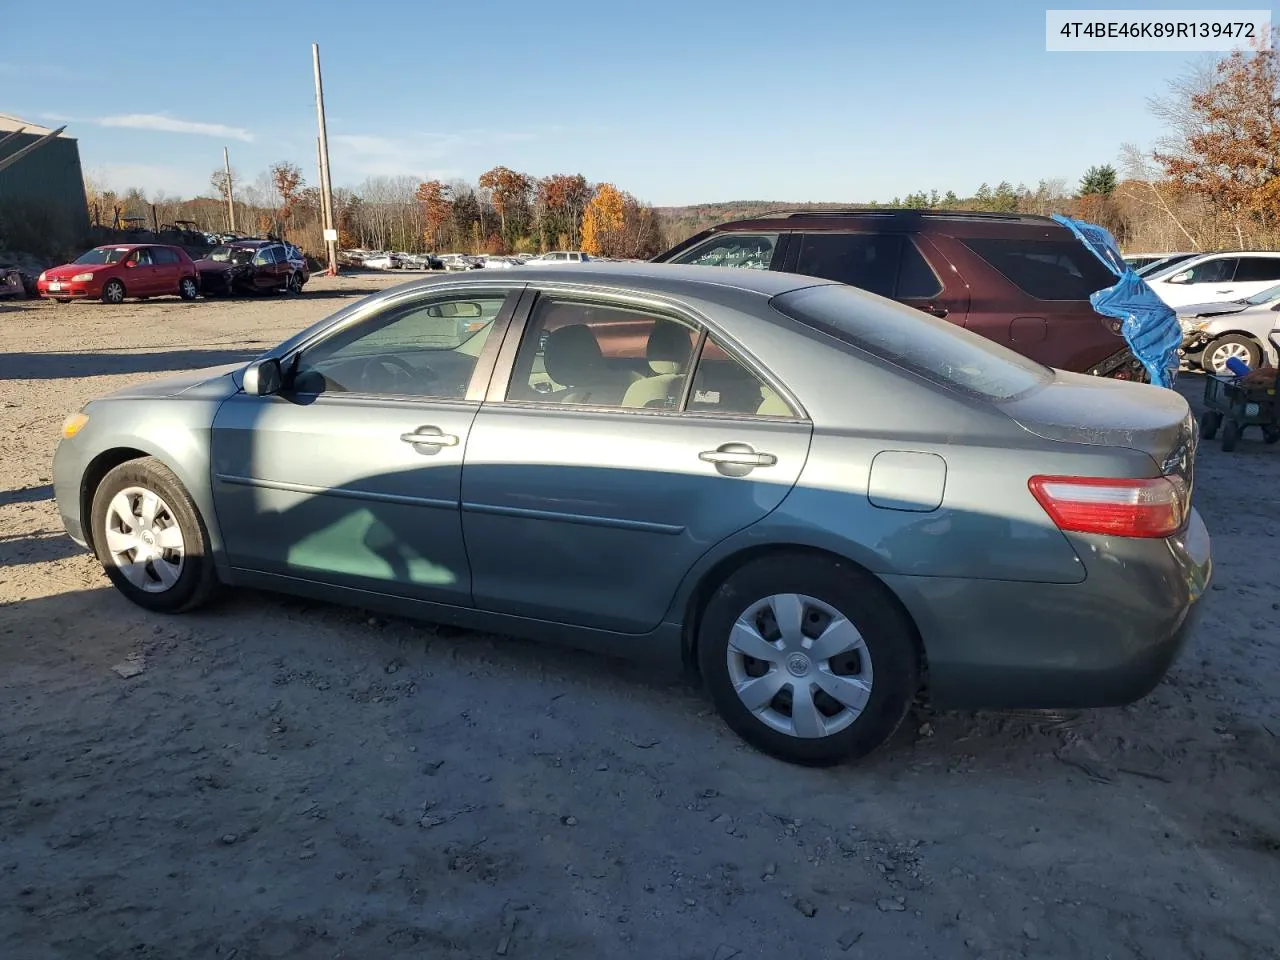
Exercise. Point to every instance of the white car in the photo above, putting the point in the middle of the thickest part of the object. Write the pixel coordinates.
(383, 261)
(1212, 333)
(1217, 276)
(559, 258)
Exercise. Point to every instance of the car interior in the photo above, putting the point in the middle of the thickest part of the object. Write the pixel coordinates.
(579, 353)
(417, 350)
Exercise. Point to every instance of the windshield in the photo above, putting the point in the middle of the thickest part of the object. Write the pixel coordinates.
(1266, 296)
(226, 254)
(912, 339)
(104, 255)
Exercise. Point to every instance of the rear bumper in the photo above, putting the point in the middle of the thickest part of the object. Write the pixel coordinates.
(1106, 641)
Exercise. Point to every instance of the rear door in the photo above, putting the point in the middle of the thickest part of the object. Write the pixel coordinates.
(889, 264)
(594, 478)
(168, 269)
(1253, 275)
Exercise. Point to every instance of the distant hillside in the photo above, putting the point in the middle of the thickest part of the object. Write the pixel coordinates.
(682, 222)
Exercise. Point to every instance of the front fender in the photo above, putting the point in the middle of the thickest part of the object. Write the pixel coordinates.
(175, 432)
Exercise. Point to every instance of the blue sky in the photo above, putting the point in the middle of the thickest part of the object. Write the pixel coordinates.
(677, 102)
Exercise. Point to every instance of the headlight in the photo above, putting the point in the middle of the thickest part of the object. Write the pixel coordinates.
(41, 277)
(74, 424)
(82, 278)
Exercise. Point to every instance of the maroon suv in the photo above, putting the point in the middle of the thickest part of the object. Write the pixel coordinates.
(1020, 280)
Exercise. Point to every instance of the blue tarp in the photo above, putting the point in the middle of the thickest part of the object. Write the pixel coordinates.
(1147, 323)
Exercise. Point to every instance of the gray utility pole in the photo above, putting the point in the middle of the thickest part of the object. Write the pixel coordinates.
(231, 203)
(326, 185)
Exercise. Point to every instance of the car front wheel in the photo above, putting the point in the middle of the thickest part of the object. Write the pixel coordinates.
(808, 658)
(150, 539)
(1230, 345)
(113, 292)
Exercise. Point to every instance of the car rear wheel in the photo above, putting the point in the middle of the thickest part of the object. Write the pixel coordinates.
(1210, 421)
(150, 539)
(807, 658)
(188, 289)
(113, 292)
(1230, 345)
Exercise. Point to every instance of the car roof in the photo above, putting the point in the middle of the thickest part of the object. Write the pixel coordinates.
(893, 219)
(659, 278)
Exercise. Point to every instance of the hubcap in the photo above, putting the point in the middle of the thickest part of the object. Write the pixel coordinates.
(144, 539)
(115, 293)
(1225, 352)
(189, 288)
(799, 665)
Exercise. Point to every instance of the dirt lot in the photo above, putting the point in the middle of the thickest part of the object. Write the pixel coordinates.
(285, 779)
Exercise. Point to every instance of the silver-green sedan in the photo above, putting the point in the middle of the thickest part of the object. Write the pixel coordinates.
(818, 499)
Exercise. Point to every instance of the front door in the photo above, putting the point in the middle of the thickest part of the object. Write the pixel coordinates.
(596, 475)
(140, 274)
(350, 475)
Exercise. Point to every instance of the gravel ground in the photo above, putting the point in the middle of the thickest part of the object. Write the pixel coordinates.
(277, 778)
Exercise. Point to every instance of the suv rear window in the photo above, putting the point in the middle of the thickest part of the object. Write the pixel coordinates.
(912, 339)
(1045, 269)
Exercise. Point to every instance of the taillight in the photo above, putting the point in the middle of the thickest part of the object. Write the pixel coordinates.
(1118, 507)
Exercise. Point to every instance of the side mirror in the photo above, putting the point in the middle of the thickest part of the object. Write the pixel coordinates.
(263, 377)
(1180, 277)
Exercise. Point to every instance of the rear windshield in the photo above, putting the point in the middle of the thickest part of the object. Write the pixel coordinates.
(912, 339)
(1045, 269)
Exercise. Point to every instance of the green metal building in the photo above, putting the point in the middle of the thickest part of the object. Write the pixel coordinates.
(44, 190)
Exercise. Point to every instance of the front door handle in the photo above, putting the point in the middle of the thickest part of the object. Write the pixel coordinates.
(430, 437)
(740, 458)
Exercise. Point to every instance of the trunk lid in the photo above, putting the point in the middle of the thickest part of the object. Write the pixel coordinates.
(1075, 408)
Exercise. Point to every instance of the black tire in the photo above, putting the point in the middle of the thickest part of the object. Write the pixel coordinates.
(1271, 434)
(197, 581)
(294, 284)
(861, 599)
(1210, 421)
(113, 292)
(1230, 435)
(188, 289)
(1248, 344)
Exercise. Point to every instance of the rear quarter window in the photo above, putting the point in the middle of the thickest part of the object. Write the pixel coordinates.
(908, 338)
(1045, 269)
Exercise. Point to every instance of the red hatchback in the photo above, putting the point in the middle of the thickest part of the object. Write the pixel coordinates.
(113, 272)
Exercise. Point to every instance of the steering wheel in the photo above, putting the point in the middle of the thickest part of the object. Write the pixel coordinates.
(375, 369)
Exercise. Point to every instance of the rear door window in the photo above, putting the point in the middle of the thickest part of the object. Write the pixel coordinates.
(866, 260)
(1258, 269)
(164, 255)
(1045, 269)
(751, 250)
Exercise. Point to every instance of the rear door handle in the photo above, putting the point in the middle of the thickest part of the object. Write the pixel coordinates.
(738, 455)
(937, 309)
(430, 437)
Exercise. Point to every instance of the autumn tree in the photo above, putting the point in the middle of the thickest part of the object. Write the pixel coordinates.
(603, 219)
(1226, 144)
(509, 191)
(287, 180)
(436, 209)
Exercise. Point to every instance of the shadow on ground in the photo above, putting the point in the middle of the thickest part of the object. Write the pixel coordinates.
(54, 366)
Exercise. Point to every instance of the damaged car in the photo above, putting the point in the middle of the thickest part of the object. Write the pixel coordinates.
(251, 266)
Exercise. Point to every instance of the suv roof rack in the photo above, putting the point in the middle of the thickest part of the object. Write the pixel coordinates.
(902, 212)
